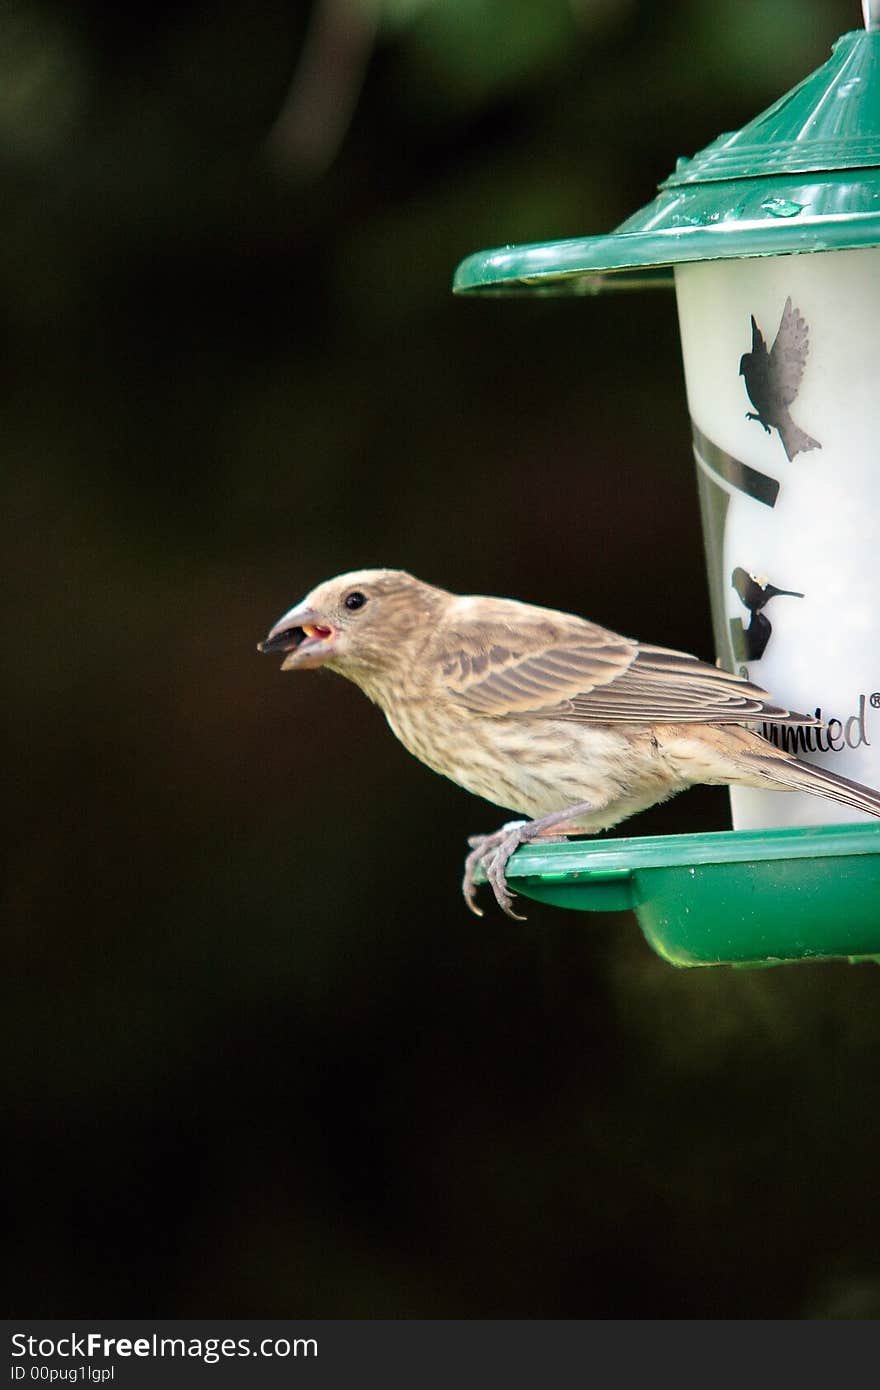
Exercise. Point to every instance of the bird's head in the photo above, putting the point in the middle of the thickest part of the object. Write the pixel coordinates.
(359, 624)
(748, 359)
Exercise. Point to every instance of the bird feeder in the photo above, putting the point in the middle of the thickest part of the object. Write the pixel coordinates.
(771, 237)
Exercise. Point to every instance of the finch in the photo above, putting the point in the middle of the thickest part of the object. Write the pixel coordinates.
(540, 711)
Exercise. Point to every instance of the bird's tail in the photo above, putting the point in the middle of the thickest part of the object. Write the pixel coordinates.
(795, 440)
(788, 773)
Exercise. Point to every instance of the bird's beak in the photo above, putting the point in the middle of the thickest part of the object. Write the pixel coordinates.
(306, 638)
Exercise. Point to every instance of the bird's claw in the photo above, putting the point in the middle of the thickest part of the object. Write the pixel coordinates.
(493, 852)
(750, 415)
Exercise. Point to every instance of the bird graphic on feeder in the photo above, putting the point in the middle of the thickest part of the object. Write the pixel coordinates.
(773, 379)
(756, 591)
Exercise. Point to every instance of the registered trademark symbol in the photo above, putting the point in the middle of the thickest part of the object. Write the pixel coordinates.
(875, 700)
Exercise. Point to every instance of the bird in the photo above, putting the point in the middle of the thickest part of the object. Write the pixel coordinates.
(756, 591)
(540, 711)
(773, 379)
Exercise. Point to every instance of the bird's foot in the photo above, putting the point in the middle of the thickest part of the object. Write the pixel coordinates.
(750, 415)
(492, 853)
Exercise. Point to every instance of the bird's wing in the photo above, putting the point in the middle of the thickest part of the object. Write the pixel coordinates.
(788, 356)
(511, 658)
(759, 347)
(562, 667)
(673, 687)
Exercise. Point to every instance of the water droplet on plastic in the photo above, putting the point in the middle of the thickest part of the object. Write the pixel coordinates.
(781, 207)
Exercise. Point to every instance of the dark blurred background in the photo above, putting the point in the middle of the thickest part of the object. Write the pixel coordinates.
(261, 1061)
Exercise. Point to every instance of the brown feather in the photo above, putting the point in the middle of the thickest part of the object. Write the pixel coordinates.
(498, 657)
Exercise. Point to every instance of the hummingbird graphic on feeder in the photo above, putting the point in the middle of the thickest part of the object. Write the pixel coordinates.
(756, 591)
(773, 379)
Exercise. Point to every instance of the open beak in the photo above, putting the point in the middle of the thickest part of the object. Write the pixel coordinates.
(304, 636)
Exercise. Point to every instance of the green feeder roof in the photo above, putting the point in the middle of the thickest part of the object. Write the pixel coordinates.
(802, 176)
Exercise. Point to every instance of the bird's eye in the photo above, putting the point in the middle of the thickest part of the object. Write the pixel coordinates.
(355, 601)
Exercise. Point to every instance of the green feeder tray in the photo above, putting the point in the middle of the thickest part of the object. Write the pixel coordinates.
(742, 897)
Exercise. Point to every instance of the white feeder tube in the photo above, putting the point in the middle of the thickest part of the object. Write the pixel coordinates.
(808, 523)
